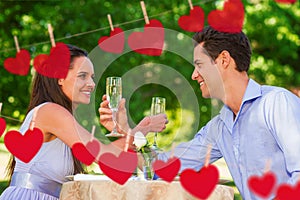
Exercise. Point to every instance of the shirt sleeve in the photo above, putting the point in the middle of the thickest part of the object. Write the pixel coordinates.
(192, 154)
(283, 116)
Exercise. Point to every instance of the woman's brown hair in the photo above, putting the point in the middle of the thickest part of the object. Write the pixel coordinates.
(45, 89)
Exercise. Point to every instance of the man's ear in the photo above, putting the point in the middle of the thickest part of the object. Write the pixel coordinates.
(225, 58)
(60, 81)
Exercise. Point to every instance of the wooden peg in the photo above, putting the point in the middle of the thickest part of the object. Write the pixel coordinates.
(32, 123)
(17, 43)
(93, 132)
(110, 22)
(172, 150)
(268, 165)
(1, 107)
(207, 157)
(50, 30)
(145, 12)
(127, 141)
(191, 4)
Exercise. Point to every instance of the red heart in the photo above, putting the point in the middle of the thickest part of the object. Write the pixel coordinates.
(286, 1)
(193, 22)
(114, 43)
(120, 168)
(262, 186)
(56, 65)
(202, 183)
(19, 65)
(2, 126)
(26, 146)
(150, 42)
(86, 154)
(167, 171)
(287, 192)
(230, 19)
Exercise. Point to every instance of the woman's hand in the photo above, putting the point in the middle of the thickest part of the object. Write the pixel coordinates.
(106, 116)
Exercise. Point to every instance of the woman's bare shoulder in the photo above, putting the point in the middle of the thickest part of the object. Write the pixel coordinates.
(53, 110)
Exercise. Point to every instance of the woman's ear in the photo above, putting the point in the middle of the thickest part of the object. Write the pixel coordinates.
(60, 81)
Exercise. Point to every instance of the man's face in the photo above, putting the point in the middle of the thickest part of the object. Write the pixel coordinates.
(207, 73)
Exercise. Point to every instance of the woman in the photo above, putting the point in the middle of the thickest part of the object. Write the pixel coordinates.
(55, 99)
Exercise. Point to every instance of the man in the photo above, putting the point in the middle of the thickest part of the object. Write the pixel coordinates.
(256, 125)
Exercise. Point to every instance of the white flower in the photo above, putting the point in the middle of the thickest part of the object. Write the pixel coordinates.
(139, 140)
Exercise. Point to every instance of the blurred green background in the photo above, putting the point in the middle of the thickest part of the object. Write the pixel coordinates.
(273, 29)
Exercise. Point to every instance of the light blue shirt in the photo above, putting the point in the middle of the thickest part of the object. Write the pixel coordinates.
(267, 127)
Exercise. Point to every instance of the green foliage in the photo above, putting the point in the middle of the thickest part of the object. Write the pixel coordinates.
(273, 29)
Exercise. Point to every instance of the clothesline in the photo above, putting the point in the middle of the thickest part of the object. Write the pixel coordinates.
(100, 29)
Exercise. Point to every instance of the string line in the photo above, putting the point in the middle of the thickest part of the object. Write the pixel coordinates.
(99, 29)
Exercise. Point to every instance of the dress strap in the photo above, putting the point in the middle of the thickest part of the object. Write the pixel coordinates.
(40, 184)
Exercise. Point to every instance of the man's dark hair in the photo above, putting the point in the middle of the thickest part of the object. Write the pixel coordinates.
(237, 44)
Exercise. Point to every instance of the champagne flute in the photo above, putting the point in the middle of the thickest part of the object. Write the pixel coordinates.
(158, 106)
(114, 95)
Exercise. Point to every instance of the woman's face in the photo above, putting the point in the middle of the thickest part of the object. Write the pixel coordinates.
(79, 83)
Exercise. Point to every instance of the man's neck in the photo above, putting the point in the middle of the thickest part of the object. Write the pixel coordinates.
(234, 92)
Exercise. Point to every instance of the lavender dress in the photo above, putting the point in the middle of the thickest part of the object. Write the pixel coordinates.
(41, 178)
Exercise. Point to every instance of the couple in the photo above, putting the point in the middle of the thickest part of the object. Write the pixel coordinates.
(256, 124)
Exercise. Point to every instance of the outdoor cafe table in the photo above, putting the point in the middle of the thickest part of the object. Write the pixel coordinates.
(135, 189)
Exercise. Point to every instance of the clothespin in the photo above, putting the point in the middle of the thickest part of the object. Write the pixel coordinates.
(50, 30)
(191, 4)
(1, 107)
(172, 150)
(127, 141)
(32, 123)
(110, 22)
(145, 12)
(268, 165)
(207, 157)
(93, 132)
(17, 43)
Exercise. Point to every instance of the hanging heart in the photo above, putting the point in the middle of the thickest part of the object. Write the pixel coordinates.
(2, 126)
(202, 183)
(19, 65)
(120, 168)
(262, 186)
(150, 42)
(287, 192)
(230, 19)
(114, 43)
(286, 1)
(193, 22)
(86, 154)
(167, 170)
(26, 146)
(56, 65)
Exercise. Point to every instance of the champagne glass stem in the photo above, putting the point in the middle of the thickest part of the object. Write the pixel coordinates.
(155, 140)
(114, 117)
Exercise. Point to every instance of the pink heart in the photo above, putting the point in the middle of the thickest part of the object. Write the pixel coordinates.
(56, 65)
(288, 192)
(167, 170)
(230, 19)
(262, 186)
(193, 22)
(150, 42)
(86, 154)
(2, 126)
(202, 183)
(120, 168)
(26, 146)
(114, 43)
(19, 65)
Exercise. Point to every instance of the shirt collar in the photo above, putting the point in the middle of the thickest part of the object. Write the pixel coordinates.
(252, 92)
